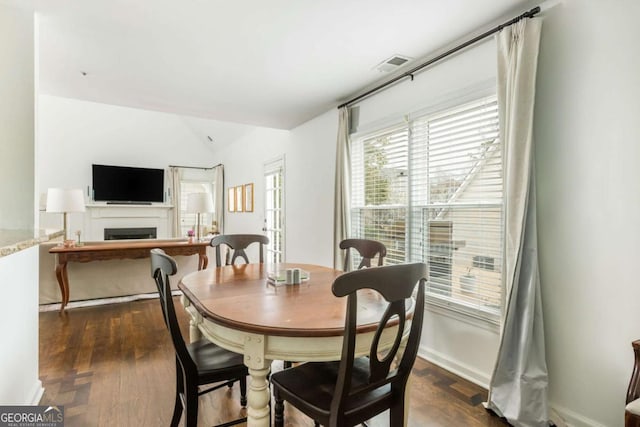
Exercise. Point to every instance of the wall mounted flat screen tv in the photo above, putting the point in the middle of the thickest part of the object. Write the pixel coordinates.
(122, 184)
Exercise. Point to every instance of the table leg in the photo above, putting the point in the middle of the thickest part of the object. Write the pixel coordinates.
(194, 331)
(203, 261)
(63, 283)
(258, 395)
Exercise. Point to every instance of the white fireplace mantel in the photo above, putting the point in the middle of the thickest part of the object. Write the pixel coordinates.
(101, 215)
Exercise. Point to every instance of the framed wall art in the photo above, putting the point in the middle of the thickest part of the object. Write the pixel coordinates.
(239, 198)
(231, 199)
(248, 197)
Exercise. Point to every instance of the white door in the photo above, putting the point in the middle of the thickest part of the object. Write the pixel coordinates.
(274, 210)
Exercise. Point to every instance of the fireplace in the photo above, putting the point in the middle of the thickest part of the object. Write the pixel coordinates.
(101, 217)
(130, 233)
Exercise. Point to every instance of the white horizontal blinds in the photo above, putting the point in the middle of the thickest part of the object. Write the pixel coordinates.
(274, 212)
(188, 220)
(457, 192)
(379, 176)
(432, 191)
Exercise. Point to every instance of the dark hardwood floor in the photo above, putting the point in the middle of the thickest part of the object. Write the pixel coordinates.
(113, 365)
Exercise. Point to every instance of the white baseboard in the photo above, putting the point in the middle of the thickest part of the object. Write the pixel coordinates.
(561, 417)
(460, 369)
(36, 393)
(564, 417)
(104, 301)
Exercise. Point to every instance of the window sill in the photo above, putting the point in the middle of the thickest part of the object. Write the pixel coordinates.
(460, 312)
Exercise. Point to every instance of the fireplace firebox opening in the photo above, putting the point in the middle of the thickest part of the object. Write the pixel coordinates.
(130, 233)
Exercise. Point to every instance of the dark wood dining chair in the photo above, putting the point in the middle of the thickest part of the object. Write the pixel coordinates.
(197, 364)
(238, 242)
(367, 249)
(632, 409)
(353, 390)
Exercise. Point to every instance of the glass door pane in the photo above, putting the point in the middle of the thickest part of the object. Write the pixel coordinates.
(274, 211)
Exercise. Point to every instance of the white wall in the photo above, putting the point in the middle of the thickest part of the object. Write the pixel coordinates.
(472, 69)
(19, 356)
(243, 164)
(19, 384)
(16, 118)
(309, 153)
(74, 134)
(310, 190)
(587, 136)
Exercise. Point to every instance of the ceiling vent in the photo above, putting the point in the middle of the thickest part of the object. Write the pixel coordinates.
(393, 63)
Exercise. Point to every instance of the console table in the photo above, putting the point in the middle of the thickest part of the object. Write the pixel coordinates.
(133, 249)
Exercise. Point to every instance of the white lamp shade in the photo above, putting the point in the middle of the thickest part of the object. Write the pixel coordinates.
(65, 200)
(199, 203)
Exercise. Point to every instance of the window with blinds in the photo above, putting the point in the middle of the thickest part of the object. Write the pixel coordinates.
(431, 190)
(188, 220)
(379, 190)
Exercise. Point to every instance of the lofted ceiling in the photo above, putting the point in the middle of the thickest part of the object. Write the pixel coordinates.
(275, 63)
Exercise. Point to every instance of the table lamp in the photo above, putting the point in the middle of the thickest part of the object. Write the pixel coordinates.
(198, 203)
(63, 201)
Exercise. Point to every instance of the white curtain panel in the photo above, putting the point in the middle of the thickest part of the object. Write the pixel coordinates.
(175, 174)
(218, 196)
(518, 387)
(341, 214)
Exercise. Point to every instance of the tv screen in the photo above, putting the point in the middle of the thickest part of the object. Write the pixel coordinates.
(127, 185)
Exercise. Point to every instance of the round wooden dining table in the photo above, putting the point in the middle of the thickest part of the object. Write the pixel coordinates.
(237, 308)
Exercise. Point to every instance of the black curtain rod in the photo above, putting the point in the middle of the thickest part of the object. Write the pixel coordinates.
(195, 167)
(440, 57)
